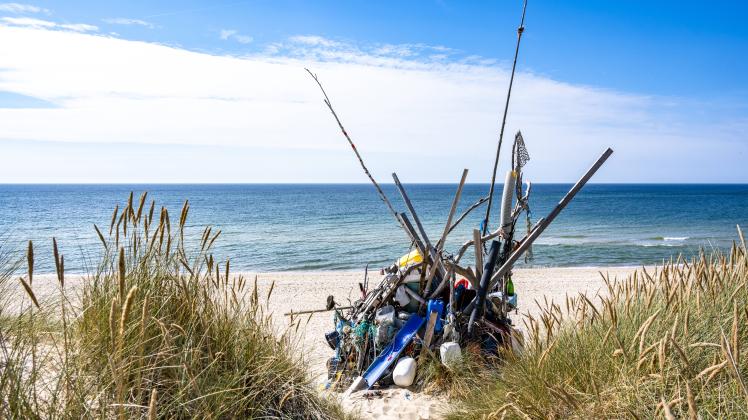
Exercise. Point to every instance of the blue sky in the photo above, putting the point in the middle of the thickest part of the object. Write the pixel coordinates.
(636, 75)
(685, 48)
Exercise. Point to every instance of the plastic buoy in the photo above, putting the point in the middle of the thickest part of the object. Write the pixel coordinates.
(405, 372)
(450, 354)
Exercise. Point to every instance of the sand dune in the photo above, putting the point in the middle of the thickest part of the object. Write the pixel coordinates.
(299, 291)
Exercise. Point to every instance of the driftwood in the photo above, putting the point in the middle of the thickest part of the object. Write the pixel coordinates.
(316, 311)
(466, 212)
(429, 248)
(367, 327)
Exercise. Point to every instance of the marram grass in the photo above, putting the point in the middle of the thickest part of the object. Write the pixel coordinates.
(665, 344)
(157, 331)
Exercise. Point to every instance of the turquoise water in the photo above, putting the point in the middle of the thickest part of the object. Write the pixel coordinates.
(339, 227)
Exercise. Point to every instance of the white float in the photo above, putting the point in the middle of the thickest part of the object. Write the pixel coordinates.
(405, 372)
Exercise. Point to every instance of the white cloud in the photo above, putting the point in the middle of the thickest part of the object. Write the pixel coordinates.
(426, 119)
(32, 22)
(22, 8)
(79, 27)
(127, 21)
(243, 39)
(40, 23)
(314, 40)
(227, 34)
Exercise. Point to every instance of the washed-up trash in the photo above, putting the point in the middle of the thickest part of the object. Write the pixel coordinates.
(401, 296)
(498, 298)
(405, 372)
(450, 354)
(430, 298)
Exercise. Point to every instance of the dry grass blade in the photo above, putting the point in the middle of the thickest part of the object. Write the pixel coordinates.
(126, 310)
(733, 364)
(29, 292)
(30, 261)
(121, 273)
(140, 207)
(641, 333)
(101, 236)
(666, 410)
(114, 219)
(152, 405)
(692, 410)
(58, 263)
(712, 369)
(270, 292)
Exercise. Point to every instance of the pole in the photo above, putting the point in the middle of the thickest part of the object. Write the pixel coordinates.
(520, 30)
(353, 146)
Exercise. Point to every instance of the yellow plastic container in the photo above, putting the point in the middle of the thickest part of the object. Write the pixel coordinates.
(413, 257)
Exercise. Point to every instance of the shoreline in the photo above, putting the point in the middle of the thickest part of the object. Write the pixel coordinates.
(376, 272)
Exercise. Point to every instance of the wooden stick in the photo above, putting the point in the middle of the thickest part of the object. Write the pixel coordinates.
(543, 224)
(429, 247)
(478, 253)
(443, 239)
(413, 234)
(452, 210)
(469, 209)
(412, 211)
(314, 311)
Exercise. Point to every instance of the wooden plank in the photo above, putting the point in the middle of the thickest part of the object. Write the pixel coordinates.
(428, 335)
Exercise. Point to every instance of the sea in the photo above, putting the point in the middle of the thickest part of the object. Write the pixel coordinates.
(323, 227)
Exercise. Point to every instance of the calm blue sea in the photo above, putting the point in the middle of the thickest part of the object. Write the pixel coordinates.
(339, 227)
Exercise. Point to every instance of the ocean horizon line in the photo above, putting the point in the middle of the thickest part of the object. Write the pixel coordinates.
(359, 183)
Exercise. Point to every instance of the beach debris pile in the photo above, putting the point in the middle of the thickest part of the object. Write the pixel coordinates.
(431, 301)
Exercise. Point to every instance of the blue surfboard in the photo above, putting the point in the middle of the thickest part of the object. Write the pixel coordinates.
(393, 350)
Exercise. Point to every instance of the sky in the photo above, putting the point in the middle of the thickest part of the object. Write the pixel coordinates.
(197, 91)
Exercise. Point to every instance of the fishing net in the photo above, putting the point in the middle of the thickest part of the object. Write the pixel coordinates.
(520, 156)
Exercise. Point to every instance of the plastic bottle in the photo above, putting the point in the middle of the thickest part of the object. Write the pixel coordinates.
(509, 286)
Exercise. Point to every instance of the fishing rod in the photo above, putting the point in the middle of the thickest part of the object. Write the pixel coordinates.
(353, 146)
(520, 30)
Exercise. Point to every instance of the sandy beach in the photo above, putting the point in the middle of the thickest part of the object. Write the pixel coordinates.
(306, 291)
(299, 291)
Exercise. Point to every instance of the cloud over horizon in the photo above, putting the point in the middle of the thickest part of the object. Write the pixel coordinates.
(424, 111)
(20, 8)
(129, 22)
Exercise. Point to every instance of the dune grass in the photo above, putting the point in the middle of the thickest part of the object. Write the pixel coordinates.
(160, 329)
(670, 344)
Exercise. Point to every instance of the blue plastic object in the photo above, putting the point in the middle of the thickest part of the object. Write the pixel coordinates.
(393, 350)
(436, 305)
